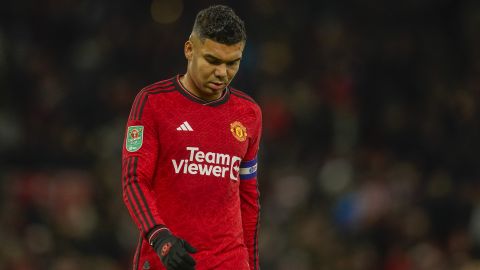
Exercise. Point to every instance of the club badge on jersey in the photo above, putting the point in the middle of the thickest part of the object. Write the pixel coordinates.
(134, 139)
(239, 131)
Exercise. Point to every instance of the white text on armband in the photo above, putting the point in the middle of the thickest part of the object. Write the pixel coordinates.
(248, 169)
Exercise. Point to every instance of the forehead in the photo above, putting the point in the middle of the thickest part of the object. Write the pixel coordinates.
(221, 51)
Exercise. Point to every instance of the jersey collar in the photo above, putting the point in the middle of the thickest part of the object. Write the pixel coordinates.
(222, 99)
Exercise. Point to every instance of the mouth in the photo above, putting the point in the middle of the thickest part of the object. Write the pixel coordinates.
(216, 85)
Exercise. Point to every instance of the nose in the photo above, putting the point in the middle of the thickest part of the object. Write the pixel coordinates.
(221, 71)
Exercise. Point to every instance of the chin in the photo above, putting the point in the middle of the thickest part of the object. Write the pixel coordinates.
(213, 91)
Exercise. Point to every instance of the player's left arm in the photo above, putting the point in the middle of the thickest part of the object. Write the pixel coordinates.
(250, 195)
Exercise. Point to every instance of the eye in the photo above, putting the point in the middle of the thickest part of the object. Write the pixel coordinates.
(213, 61)
(233, 63)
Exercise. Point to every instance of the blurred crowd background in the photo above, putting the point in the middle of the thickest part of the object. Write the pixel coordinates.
(369, 158)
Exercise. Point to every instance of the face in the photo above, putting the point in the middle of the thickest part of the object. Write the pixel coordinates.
(211, 66)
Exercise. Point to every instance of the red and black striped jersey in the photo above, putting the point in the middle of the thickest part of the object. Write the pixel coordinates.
(191, 166)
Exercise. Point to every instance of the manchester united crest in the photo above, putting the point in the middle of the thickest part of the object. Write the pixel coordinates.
(238, 131)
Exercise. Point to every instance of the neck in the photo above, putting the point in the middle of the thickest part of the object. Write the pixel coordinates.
(188, 84)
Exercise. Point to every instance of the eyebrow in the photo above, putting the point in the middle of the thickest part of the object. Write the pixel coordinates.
(217, 59)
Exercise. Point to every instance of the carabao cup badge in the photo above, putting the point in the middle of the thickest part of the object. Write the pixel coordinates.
(134, 138)
(238, 131)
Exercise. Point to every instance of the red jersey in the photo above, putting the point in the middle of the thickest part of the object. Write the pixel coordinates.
(191, 165)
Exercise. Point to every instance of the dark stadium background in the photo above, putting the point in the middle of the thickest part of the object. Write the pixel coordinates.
(370, 151)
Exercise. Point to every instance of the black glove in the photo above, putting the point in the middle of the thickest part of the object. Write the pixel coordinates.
(174, 251)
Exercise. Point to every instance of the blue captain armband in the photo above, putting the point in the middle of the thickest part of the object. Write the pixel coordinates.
(248, 169)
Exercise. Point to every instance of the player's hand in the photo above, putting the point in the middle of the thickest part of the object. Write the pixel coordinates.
(174, 253)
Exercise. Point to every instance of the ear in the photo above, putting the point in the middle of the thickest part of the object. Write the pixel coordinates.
(188, 50)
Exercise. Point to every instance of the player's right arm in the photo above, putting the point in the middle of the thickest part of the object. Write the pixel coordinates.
(139, 158)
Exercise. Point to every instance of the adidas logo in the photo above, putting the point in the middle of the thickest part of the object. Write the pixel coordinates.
(185, 126)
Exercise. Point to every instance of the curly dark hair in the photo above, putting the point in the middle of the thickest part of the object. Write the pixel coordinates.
(221, 24)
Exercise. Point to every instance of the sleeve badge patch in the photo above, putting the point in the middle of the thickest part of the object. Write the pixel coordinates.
(134, 139)
(238, 131)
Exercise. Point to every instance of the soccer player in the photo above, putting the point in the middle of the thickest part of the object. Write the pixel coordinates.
(189, 161)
